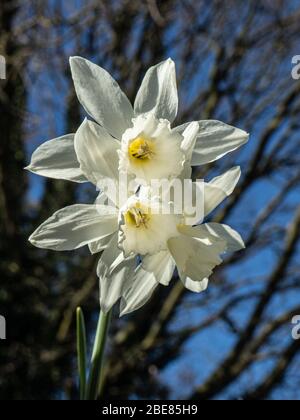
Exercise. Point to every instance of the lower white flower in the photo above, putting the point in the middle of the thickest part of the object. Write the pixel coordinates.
(140, 246)
(145, 227)
(166, 241)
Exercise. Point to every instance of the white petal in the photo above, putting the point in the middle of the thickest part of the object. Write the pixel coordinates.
(205, 197)
(57, 159)
(190, 134)
(161, 265)
(158, 92)
(215, 233)
(215, 139)
(101, 96)
(194, 258)
(100, 245)
(139, 292)
(114, 272)
(202, 233)
(233, 239)
(219, 188)
(187, 146)
(97, 152)
(75, 226)
(195, 286)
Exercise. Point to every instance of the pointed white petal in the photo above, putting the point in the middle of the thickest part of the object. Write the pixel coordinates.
(190, 134)
(219, 188)
(114, 272)
(161, 265)
(195, 258)
(215, 233)
(158, 92)
(100, 245)
(97, 152)
(202, 233)
(101, 96)
(139, 292)
(75, 226)
(187, 146)
(215, 139)
(233, 239)
(195, 286)
(57, 159)
(204, 197)
(104, 242)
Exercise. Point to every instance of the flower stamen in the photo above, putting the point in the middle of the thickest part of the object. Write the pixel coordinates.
(137, 217)
(141, 149)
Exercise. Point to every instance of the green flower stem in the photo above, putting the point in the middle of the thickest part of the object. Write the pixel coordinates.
(81, 352)
(97, 356)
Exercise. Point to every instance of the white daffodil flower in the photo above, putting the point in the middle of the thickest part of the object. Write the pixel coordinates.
(166, 241)
(151, 150)
(141, 142)
(139, 230)
(141, 134)
(145, 227)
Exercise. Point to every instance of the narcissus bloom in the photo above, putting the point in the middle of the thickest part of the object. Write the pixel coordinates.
(140, 248)
(139, 139)
(167, 241)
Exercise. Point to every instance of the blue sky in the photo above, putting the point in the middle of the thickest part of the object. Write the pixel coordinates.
(204, 350)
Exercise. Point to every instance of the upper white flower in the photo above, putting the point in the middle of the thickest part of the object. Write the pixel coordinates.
(151, 150)
(140, 139)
